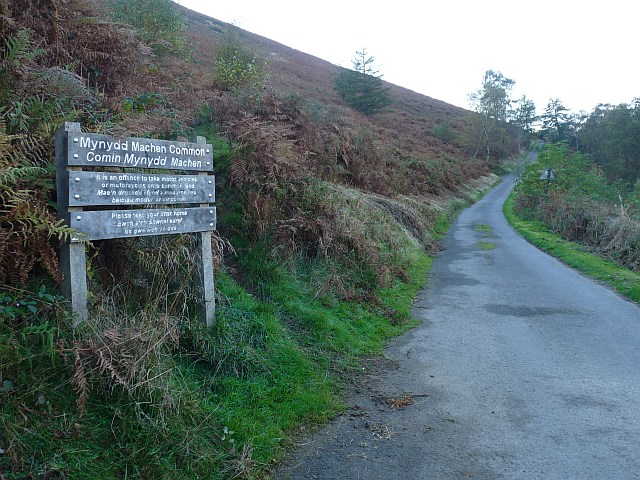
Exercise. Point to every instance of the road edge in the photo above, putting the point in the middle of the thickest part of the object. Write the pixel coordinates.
(622, 280)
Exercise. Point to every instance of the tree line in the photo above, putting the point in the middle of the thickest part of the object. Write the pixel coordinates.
(609, 135)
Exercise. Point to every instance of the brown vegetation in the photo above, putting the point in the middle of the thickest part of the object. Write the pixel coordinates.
(406, 131)
(291, 135)
(295, 131)
(609, 231)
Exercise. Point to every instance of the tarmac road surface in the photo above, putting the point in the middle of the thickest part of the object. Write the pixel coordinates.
(521, 369)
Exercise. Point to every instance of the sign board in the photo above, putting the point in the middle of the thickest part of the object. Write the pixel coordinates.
(105, 224)
(93, 187)
(95, 150)
(547, 175)
(109, 188)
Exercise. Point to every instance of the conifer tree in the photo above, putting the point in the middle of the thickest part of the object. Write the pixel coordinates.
(362, 87)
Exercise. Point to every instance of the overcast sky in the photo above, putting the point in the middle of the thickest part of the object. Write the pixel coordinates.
(582, 52)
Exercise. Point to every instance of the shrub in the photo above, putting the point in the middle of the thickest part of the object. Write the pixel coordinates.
(580, 205)
(237, 66)
(160, 24)
(445, 133)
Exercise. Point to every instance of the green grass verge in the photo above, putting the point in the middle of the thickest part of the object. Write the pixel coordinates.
(274, 366)
(623, 280)
(269, 367)
(226, 403)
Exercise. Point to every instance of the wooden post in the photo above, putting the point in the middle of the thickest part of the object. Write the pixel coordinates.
(72, 253)
(204, 281)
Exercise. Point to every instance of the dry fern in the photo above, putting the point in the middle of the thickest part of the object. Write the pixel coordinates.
(72, 35)
(264, 156)
(79, 381)
(128, 356)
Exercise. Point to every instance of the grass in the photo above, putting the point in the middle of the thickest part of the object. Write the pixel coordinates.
(240, 391)
(487, 229)
(237, 392)
(228, 401)
(622, 280)
(488, 232)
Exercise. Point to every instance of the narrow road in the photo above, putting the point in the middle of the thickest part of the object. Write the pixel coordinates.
(521, 369)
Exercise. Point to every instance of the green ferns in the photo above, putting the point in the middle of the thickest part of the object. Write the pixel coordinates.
(20, 50)
(26, 222)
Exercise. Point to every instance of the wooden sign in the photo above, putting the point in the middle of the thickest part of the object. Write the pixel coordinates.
(91, 176)
(95, 150)
(109, 188)
(105, 224)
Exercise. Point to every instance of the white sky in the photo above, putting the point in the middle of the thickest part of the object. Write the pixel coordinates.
(584, 52)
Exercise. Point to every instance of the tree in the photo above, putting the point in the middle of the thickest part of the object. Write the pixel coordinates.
(555, 120)
(524, 116)
(492, 99)
(493, 104)
(362, 87)
(573, 126)
(611, 134)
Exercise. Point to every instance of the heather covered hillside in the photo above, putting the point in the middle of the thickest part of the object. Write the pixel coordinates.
(326, 219)
(413, 117)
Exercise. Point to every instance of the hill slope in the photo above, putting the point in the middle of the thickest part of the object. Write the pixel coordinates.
(413, 118)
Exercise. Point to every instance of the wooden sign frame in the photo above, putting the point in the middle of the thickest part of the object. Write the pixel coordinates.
(184, 201)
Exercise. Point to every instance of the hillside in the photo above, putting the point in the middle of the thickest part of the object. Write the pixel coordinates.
(326, 220)
(409, 126)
